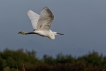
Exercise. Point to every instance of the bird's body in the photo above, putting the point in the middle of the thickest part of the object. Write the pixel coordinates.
(48, 34)
(41, 23)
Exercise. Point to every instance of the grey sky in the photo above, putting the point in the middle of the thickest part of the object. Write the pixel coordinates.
(82, 21)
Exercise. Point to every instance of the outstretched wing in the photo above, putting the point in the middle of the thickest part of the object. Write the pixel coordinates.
(33, 17)
(45, 19)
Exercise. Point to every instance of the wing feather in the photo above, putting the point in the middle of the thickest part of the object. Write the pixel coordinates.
(45, 19)
(33, 17)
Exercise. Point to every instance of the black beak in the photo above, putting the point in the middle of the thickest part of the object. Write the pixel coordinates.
(60, 34)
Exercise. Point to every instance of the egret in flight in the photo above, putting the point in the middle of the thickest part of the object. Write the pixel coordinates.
(41, 23)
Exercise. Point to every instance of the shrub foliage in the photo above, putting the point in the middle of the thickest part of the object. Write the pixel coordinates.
(19, 60)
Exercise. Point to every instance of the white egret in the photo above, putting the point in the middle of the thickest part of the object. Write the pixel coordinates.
(41, 23)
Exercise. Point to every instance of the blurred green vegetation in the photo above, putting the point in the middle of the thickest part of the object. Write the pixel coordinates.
(20, 60)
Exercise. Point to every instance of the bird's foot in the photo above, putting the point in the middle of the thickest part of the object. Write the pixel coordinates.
(21, 32)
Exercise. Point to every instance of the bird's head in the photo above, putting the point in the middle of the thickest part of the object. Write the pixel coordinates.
(52, 36)
(56, 33)
(21, 32)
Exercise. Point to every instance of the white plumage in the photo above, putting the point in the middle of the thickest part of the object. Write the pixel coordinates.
(33, 17)
(41, 23)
